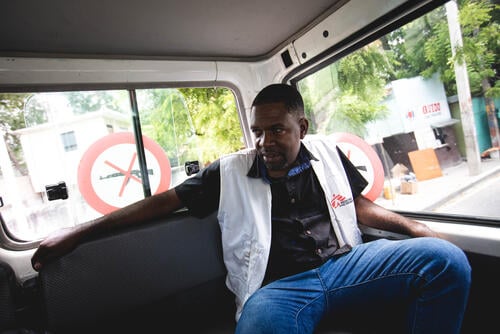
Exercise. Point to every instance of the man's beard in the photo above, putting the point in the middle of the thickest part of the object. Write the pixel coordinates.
(274, 161)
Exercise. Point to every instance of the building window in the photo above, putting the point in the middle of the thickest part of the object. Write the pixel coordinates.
(69, 141)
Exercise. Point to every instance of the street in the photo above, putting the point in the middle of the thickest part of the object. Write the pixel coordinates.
(482, 199)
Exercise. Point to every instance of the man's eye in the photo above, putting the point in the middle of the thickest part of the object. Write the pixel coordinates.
(257, 133)
(278, 131)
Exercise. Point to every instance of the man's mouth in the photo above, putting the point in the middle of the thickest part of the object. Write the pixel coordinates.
(271, 157)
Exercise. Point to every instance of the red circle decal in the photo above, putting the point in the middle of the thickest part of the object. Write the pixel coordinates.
(122, 157)
(366, 160)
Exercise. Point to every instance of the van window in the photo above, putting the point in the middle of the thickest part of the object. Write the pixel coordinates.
(71, 156)
(393, 96)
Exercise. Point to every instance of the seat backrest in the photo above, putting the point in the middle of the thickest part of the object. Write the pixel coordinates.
(8, 288)
(117, 273)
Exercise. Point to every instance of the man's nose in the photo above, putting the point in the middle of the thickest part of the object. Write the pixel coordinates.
(267, 138)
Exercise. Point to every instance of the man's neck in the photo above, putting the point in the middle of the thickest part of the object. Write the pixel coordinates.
(276, 174)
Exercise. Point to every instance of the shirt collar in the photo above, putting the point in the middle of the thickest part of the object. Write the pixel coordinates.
(303, 162)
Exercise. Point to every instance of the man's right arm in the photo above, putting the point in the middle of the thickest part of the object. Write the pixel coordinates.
(65, 240)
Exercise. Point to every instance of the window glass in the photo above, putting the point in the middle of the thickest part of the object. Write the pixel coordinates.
(68, 157)
(398, 96)
(193, 126)
(69, 141)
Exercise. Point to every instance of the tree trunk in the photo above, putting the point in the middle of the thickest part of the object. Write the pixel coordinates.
(492, 117)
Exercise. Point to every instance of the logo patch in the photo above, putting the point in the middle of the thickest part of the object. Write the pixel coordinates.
(339, 200)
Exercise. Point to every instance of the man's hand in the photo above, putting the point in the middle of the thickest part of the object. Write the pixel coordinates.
(373, 215)
(54, 246)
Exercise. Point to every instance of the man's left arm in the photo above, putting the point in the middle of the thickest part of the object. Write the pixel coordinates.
(373, 215)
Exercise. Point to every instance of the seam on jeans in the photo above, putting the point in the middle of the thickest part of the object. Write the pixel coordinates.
(376, 279)
(301, 309)
(324, 288)
(312, 300)
(414, 329)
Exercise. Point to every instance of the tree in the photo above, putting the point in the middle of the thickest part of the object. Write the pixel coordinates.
(479, 51)
(405, 47)
(423, 47)
(215, 120)
(11, 119)
(346, 95)
(165, 118)
(83, 102)
(191, 123)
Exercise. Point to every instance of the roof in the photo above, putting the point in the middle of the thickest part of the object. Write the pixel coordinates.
(239, 29)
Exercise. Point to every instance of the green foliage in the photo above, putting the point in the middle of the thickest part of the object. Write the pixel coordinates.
(353, 113)
(83, 102)
(35, 111)
(365, 72)
(346, 95)
(11, 111)
(437, 53)
(191, 123)
(46, 107)
(11, 119)
(494, 91)
(215, 120)
(406, 46)
(430, 52)
(167, 122)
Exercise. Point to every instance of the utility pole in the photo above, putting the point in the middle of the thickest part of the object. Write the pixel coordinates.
(463, 89)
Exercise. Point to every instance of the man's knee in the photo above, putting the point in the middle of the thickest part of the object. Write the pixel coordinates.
(257, 314)
(445, 257)
(273, 311)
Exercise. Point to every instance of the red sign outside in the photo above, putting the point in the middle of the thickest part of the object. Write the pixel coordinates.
(366, 160)
(109, 175)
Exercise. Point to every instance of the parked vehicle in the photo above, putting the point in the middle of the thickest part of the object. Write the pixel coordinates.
(105, 103)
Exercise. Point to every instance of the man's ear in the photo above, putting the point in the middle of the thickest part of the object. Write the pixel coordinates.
(304, 125)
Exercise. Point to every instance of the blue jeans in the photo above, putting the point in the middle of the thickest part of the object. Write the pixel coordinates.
(429, 276)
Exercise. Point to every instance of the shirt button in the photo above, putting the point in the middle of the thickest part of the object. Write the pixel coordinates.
(308, 232)
(319, 251)
(292, 200)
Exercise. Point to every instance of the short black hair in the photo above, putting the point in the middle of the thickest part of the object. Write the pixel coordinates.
(281, 93)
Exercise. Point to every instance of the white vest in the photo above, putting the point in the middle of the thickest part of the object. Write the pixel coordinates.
(245, 214)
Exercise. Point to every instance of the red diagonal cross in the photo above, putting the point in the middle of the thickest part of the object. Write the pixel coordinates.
(128, 174)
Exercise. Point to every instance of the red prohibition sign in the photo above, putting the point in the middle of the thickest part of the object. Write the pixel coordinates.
(366, 160)
(90, 159)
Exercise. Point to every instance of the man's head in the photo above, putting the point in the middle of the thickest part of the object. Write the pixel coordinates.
(278, 123)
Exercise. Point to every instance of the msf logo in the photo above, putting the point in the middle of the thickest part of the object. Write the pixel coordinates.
(339, 200)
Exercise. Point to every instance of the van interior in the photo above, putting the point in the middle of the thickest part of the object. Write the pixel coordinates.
(168, 275)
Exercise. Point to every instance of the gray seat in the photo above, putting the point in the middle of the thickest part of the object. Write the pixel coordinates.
(8, 289)
(156, 273)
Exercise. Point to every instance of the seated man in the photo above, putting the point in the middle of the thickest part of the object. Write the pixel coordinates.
(288, 212)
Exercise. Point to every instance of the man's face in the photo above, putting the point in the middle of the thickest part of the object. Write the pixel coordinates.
(277, 136)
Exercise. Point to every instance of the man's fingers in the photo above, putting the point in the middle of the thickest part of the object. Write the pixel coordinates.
(37, 266)
(38, 258)
(35, 260)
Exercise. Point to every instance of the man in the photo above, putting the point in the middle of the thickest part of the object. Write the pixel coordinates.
(288, 212)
